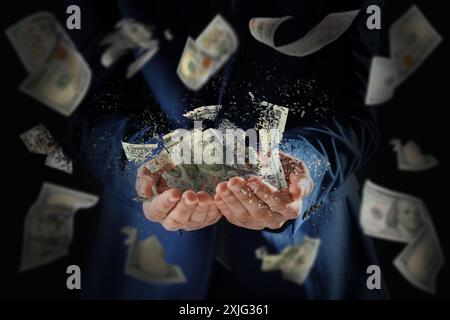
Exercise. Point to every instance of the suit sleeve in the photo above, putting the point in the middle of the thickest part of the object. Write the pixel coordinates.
(115, 109)
(335, 146)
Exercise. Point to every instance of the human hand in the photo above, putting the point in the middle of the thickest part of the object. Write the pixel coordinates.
(255, 204)
(174, 209)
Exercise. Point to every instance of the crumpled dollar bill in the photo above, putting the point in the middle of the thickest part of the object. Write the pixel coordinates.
(411, 158)
(294, 261)
(146, 262)
(49, 224)
(129, 35)
(39, 140)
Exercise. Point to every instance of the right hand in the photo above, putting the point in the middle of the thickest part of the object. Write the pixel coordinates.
(172, 208)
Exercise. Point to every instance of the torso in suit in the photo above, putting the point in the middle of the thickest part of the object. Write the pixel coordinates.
(334, 135)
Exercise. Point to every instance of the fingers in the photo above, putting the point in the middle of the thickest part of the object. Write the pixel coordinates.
(179, 216)
(200, 215)
(233, 218)
(300, 182)
(232, 207)
(231, 201)
(158, 209)
(214, 214)
(256, 209)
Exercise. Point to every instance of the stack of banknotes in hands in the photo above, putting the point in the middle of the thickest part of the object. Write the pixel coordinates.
(200, 159)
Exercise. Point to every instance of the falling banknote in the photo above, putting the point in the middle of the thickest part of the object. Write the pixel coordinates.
(395, 216)
(39, 140)
(138, 152)
(203, 113)
(145, 260)
(295, 262)
(411, 158)
(49, 224)
(59, 77)
(383, 79)
(412, 39)
(391, 215)
(203, 57)
(324, 33)
(421, 260)
(129, 35)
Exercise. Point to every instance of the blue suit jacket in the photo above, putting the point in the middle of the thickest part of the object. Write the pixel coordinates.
(328, 127)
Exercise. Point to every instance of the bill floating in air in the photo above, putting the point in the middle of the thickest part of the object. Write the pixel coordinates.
(203, 57)
(203, 113)
(138, 152)
(412, 39)
(294, 262)
(145, 260)
(411, 158)
(58, 77)
(39, 140)
(399, 217)
(49, 224)
(130, 35)
(327, 31)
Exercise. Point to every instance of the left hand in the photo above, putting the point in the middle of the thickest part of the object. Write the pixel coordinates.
(254, 204)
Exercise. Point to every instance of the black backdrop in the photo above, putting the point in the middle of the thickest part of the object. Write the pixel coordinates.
(417, 112)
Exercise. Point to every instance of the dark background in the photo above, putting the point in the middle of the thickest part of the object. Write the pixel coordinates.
(417, 112)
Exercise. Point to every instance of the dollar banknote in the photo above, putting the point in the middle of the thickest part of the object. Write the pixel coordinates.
(35, 38)
(58, 160)
(203, 57)
(49, 224)
(384, 77)
(421, 260)
(412, 39)
(395, 216)
(218, 40)
(195, 66)
(199, 159)
(62, 82)
(271, 124)
(39, 140)
(203, 113)
(59, 77)
(129, 35)
(391, 215)
(294, 261)
(411, 158)
(138, 152)
(325, 32)
(146, 262)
